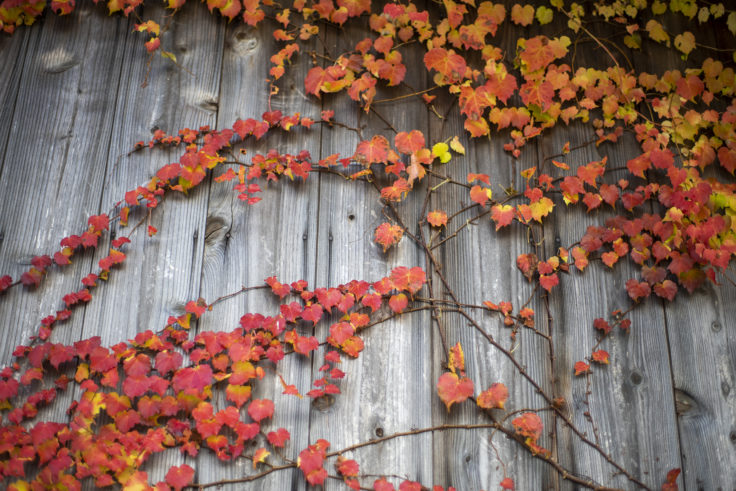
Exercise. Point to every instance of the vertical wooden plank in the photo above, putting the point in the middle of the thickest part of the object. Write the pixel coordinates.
(389, 388)
(244, 244)
(162, 272)
(480, 264)
(12, 53)
(702, 340)
(701, 337)
(630, 401)
(57, 131)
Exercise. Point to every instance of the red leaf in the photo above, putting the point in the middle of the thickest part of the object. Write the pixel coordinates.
(99, 222)
(383, 485)
(411, 280)
(671, 483)
(666, 289)
(600, 356)
(581, 367)
(494, 397)
(452, 389)
(449, 64)
(480, 194)
(638, 290)
(548, 281)
(260, 409)
(279, 437)
(197, 308)
(374, 150)
(388, 235)
(528, 425)
(179, 476)
(347, 467)
(398, 302)
(503, 215)
(5, 282)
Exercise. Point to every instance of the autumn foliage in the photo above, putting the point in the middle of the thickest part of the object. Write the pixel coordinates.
(670, 215)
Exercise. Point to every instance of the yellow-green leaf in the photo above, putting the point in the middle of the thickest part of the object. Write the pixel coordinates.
(544, 15)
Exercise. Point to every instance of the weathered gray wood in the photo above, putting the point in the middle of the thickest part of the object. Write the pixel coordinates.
(390, 387)
(57, 132)
(72, 107)
(13, 52)
(631, 400)
(702, 341)
(479, 265)
(161, 273)
(245, 244)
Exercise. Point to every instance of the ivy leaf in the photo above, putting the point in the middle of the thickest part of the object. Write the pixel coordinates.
(685, 43)
(374, 150)
(259, 457)
(383, 485)
(453, 389)
(507, 483)
(528, 425)
(408, 143)
(637, 290)
(544, 15)
(452, 66)
(441, 151)
(179, 477)
(670, 483)
(398, 302)
(260, 409)
(388, 235)
(456, 146)
(581, 368)
(480, 194)
(522, 16)
(503, 215)
(347, 467)
(408, 279)
(437, 218)
(600, 356)
(494, 397)
(5, 282)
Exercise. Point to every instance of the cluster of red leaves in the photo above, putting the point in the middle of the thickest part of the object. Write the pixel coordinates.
(154, 401)
(455, 387)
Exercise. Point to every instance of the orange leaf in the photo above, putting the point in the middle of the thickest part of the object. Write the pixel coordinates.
(452, 389)
(437, 218)
(494, 397)
(388, 235)
(581, 367)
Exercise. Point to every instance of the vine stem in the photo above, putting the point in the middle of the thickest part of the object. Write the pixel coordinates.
(563, 472)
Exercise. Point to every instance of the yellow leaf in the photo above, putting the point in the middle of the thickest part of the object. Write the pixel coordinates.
(441, 151)
(456, 146)
(659, 8)
(657, 32)
(685, 43)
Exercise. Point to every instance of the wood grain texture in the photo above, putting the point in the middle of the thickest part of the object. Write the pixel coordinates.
(390, 387)
(479, 265)
(161, 273)
(57, 131)
(244, 244)
(633, 415)
(73, 107)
